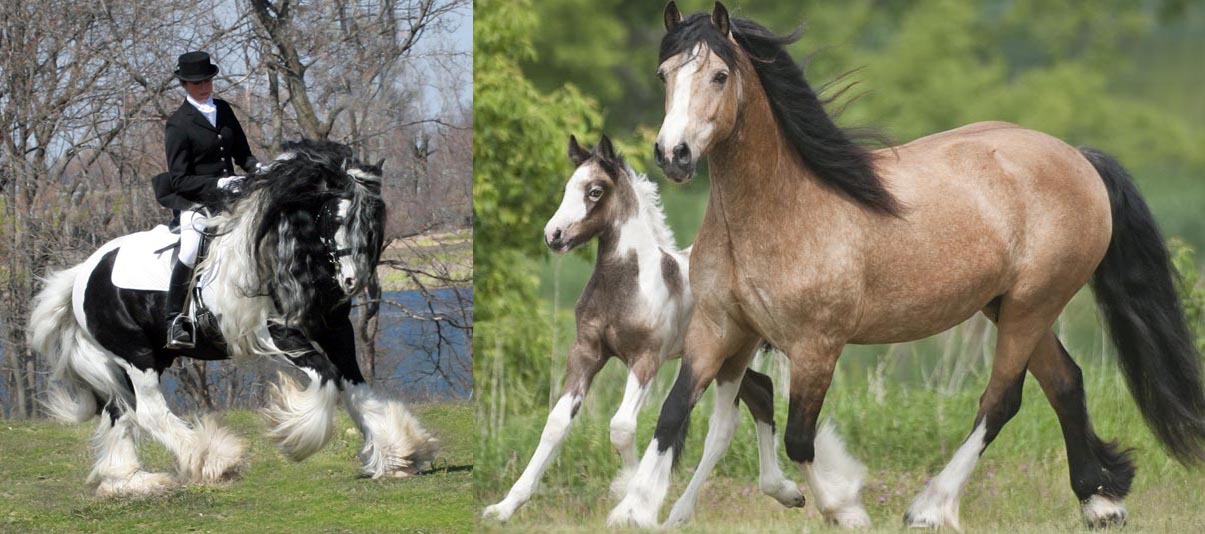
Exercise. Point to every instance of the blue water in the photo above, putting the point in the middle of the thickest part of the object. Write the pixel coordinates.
(427, 357)
(417, 358)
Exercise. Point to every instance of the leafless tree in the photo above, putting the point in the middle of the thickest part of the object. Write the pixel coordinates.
(84, 92)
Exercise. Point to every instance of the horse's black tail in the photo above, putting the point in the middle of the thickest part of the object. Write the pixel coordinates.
(1135, 289)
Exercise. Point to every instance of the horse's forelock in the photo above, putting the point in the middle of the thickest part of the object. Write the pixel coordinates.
(696, 29)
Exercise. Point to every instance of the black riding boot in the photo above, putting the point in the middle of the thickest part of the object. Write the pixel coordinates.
(181, 332)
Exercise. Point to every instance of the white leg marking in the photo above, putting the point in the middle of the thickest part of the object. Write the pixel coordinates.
(206, 454)
(623, 431)
(301, 421)
(117, 471)
(720, 429)
(395, 444)
(836, 480)
(1103, 512)
(937, 504)
(770, 477)
(646, 490)
(555, 431)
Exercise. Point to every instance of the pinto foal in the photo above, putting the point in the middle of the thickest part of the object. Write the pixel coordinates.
(635, 307)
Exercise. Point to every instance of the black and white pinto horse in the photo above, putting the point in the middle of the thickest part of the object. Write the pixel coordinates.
(302, 238)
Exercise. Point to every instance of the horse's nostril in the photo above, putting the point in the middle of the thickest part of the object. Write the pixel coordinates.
(556, 234)
(658, 157)
(681, 154)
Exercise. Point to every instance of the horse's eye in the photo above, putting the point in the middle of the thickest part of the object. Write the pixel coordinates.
(661, 76)
(720, 78)
(596, 193)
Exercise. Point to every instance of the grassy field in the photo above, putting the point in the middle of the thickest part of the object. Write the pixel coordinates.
(902, 409)
(43, 466)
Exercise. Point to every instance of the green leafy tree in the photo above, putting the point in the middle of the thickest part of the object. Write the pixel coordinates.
(518, 155)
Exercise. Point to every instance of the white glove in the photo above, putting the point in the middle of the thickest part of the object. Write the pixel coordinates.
(230, 183)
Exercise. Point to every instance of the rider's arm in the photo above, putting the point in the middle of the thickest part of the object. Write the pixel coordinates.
(241, 151)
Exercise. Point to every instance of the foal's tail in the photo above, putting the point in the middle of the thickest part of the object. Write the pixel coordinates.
(1135, 289)
(79, 369)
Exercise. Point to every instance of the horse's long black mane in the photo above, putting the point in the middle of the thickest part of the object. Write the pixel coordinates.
(833, 154)
(288, 235)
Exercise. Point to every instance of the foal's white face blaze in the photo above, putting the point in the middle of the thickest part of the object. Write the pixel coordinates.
(581, 192)
(702, 94)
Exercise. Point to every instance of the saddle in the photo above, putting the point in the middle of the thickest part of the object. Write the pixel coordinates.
(144, 263)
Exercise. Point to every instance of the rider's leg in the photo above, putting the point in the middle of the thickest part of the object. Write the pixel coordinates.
(180, 330)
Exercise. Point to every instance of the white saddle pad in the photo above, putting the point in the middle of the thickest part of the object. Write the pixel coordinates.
(144, 260)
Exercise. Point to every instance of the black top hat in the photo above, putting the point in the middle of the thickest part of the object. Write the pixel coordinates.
(195, 67)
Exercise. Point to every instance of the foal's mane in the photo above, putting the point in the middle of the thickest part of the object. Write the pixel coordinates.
(648, 199)
(833, 154)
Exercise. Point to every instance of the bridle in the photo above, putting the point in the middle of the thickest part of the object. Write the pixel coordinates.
(329, 222)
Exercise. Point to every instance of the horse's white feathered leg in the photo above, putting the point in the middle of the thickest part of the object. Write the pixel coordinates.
(116, 471)
(720, 429)
(623, 430)
(770, 477)
(395, 444)
(555, 430)
(301, 421)
(836, 479)
(204, 454)
(937, 504)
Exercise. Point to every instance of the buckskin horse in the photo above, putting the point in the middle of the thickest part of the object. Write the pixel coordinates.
(812, 242)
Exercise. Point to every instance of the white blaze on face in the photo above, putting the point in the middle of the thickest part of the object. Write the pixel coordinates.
(573, 205)
(346, 264)
(677, 113)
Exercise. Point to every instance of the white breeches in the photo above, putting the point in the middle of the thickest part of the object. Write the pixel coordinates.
(192, 223)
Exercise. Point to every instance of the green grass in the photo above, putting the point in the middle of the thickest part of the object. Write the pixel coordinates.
(43, 466)
(431, 259)
(904, 434)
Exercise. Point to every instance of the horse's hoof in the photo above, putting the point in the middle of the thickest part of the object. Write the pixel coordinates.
(140, 484)
(912, 520)
(498, 512)
(849, 518)
(630, 515)
(677, 518)
(787, 493)
(1102, 512)
(405, 472)
(217, 454)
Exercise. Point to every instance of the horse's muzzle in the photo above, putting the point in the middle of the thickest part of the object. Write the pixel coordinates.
(679, 174)
(556, 241)
(680, 167)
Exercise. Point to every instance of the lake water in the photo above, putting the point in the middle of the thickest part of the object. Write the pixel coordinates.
(422, 350)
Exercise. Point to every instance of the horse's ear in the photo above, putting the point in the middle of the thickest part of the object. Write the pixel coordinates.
(577, 154)
(673, 17)
(381, 164)
(605, 149)
(719, 17)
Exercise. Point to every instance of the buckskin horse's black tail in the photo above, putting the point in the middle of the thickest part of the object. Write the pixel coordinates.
(1135, 289)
